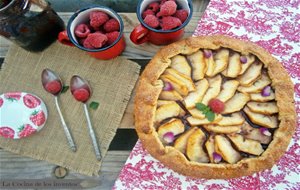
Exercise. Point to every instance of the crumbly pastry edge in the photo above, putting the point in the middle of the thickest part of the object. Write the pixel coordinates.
(149, 88)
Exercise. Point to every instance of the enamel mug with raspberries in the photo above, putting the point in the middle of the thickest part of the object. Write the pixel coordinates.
(97, 30)
(161, 21)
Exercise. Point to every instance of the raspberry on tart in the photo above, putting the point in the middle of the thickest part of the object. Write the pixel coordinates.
(215, 107)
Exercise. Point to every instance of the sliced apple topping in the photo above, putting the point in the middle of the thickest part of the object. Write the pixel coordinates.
(224, 148)
(196, 113)
(167, 111)
(194, 149)
(178, 85)
(213, 90)
(193, 121)
(210, 63)
(262, 120)
(256, 86)
(163, 102)
(255, 134)
(198, 65)
(236, 103)
(174, 126)
(221, 60)
(246, 60)
(181, 77)
(214, 157)
(233, 119)
(181, 142)
(246, 145)
(170, 95)
(251, 75)
(180, 64)
(234, 66)
(227, 90)
(267, 108)
(197, 96)
(258, 97)
(223, 129)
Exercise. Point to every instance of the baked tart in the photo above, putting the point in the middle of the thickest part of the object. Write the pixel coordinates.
(215, 107)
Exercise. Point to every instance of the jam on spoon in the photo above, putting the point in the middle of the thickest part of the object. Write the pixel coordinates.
(53, 84)
(81, 91)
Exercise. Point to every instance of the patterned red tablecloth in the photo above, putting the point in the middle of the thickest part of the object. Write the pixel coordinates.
(272, 24)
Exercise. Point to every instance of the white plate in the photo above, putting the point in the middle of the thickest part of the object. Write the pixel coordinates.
(21, 114)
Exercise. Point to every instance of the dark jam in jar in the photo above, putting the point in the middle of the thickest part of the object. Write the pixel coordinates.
(32, 24)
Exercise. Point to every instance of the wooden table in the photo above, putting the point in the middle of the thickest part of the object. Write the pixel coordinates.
(18, 167)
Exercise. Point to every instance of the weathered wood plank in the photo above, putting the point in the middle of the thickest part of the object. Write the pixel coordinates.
(18, 167)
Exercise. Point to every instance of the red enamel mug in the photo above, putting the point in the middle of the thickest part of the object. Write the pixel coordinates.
(143, 33)
(68, 37)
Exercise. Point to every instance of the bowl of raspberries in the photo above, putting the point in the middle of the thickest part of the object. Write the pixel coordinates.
(161, 21)
(97, 30)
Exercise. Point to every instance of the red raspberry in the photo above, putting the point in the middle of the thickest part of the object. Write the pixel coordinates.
(95, 40)
(216, 105)
(97, 18)
(169, 22)
(53, 87)
(163, 1)
(81, 95)
(154, 7)
(167, 9)
(151, 21)
(181, 14)
(112, 37)
(111, 25)
(147, 12)
(82, 31)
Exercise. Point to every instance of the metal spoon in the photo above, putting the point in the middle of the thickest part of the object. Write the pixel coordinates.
(81, 91)
(53, 84)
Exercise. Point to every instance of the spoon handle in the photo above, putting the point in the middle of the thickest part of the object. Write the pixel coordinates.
(92, 133)
(65, 127)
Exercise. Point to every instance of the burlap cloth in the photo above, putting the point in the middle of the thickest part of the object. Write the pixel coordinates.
(112, 83)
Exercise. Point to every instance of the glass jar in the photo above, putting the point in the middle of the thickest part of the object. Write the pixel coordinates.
(32, 24)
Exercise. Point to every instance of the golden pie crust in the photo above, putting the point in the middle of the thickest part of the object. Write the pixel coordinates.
(149, 89)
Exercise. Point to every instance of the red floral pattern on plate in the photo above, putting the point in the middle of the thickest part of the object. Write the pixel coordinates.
(271, 24)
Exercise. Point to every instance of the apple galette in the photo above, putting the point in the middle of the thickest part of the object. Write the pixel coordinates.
(215, 107)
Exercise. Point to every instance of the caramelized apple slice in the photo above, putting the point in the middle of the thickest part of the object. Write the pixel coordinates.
(179, 76)
(221, 61)
(255, 134)
(180, 64)
(210, 63)
(246, 145)
(224, 148)
(198, 64)
(196, 113)
(267, 108)
(227, 90)
(234, 66)
(194, 149)
(213, 90)
(170, 95)
(251, 75)
(181, 142)
(178, 85)
(257, 86)
(174, 126)
(222, 129)
(233, 119)
(210, 147)
(257, 97)
(163, 102)
(236, 103)
(197, 96)
(167, 111)
(262, 120)
(245, 66)
(196, 121)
